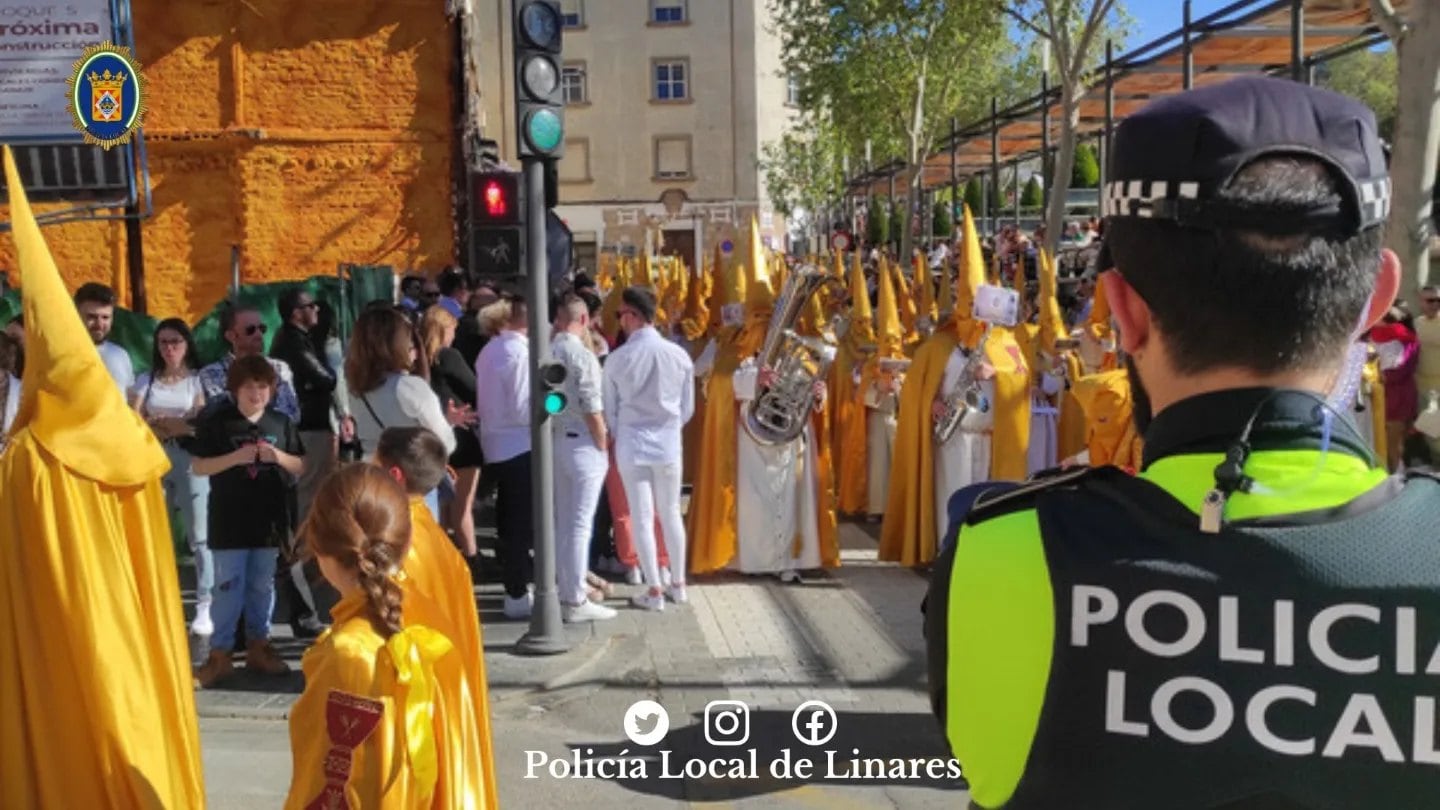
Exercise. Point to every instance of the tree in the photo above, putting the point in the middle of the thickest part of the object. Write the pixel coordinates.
(1416, 152)
(975, 196)
(900, 227)
(803, 170)
(893, 72)
(1086, 173)
(1369, 76)
(1073, 29)
(944, 222)
(1034, 194)
(877, 221)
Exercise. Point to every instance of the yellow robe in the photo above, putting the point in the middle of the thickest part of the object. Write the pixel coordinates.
(1373, 383)
(1011, 437)
(1109, 409)
(439, 595)
(383, 723)
(711, 519)
(1072, 416)
(908, 534)
(97, 705)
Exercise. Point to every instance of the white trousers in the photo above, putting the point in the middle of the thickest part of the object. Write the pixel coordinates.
(653, 490)
(880, 442)
(580, 469)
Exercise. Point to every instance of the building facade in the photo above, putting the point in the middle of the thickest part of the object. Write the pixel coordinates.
(669, 104)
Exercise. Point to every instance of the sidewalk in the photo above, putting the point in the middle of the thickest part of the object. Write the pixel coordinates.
(852, 639)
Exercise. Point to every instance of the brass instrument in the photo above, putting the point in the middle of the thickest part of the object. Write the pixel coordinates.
(968, 393)
(778, 413)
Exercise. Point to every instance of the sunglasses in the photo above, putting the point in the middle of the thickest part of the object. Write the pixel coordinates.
(1431, 300)
(256, 327)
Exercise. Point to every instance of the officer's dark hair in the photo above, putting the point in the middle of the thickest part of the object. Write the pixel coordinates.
(95, 293)
(1242, 298)
(641, 300)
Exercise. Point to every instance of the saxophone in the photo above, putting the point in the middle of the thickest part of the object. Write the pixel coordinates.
(968, 393)
(778, 413)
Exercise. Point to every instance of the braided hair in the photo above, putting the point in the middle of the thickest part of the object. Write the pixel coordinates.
(361, 520)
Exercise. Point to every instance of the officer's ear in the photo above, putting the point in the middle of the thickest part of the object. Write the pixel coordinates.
(1129, 310)
(1387, 287)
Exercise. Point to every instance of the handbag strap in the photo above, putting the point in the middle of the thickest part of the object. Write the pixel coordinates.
(373, 415)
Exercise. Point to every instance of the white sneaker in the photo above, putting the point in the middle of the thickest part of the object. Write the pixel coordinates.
(202, 626)
(677, 594)
(586, 612)
(519, 608)
(634, 576)
(648, 601)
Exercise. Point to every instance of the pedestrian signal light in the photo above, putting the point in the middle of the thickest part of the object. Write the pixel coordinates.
(495, 203)
(552, 376)
(495, 198)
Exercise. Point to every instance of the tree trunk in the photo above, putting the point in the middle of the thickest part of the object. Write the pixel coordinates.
(1064, 163)
(1417, 144)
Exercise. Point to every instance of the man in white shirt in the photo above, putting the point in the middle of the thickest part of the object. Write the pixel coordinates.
(96, 303)
(502, 375)
(649, 396)
(581, 460)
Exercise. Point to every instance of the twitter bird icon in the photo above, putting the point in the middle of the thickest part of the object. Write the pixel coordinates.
(646, 722)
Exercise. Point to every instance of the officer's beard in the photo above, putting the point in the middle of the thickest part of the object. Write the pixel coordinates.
(1140, 410)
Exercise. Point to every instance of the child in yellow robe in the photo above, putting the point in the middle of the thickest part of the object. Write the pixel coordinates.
(383, 722)
(436, 581)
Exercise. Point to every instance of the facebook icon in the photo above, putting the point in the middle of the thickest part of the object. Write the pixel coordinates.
(814, 722)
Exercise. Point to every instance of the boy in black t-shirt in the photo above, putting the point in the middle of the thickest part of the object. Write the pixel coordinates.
(252, 454)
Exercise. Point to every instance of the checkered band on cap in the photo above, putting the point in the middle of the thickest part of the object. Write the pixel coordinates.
(1137, 198)
(1374, 201)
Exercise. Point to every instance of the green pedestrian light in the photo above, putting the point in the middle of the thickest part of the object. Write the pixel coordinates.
(552, 376)
(554, 403)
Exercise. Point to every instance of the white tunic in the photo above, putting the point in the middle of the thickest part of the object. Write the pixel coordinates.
(880, 424)
(964, 458)
(776, 495)
(1044, 449)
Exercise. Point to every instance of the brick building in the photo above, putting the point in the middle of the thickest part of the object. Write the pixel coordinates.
(309, 134)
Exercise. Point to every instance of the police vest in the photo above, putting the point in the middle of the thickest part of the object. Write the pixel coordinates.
(1285, 662)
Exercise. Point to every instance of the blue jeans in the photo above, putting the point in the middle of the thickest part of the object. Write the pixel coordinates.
(244, 584)
(432, 500)
(189, 495)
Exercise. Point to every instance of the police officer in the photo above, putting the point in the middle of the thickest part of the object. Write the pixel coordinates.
(1254, 620)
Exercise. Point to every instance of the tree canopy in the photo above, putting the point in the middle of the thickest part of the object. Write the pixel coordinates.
(1370, 76)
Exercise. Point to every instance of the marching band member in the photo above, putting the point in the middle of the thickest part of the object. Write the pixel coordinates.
(880, 385)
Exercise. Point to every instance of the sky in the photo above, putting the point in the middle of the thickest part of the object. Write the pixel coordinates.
(1156, 18)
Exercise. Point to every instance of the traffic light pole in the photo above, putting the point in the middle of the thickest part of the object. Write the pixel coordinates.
(547, 633)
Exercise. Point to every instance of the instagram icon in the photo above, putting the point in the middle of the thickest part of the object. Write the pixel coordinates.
(727, 723)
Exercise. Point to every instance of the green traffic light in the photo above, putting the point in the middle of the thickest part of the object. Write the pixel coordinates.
(554, 402)
(543, 130)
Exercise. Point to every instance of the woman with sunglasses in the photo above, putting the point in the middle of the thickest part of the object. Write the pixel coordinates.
(168, 397)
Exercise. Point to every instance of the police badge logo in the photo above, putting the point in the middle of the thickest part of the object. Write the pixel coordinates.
(107, 95)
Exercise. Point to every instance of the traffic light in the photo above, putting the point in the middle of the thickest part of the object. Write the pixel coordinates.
(497, 242)
(539, 97)
(552, 377)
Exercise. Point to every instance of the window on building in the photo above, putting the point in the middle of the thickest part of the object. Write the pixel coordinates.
(573, 13)
(792, 91)
(667, 12)
(672, 157)
(574, 84)
(575, 166)
(672, 80)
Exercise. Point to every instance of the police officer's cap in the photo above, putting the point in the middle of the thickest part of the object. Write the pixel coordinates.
(1172, 157)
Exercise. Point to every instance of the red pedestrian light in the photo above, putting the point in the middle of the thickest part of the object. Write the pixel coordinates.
(496, 199)
(495, 203)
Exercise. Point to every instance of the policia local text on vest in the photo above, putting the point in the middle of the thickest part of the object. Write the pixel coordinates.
(1099, 640)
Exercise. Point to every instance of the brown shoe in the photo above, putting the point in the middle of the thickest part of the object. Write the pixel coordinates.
(261, 657)
(217, 667)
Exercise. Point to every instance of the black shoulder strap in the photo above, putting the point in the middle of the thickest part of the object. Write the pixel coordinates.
(995, 503)
(365, 399)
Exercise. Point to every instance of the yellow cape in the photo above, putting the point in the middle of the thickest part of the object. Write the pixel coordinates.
(383, 723)
(1011, 437)
(97, 706)
(439, 595)
(908, 534)
(1111, 437)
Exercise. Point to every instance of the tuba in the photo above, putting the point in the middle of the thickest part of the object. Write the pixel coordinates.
(778, 413)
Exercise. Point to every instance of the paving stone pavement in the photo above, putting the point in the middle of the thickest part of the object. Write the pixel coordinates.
(851, 637)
